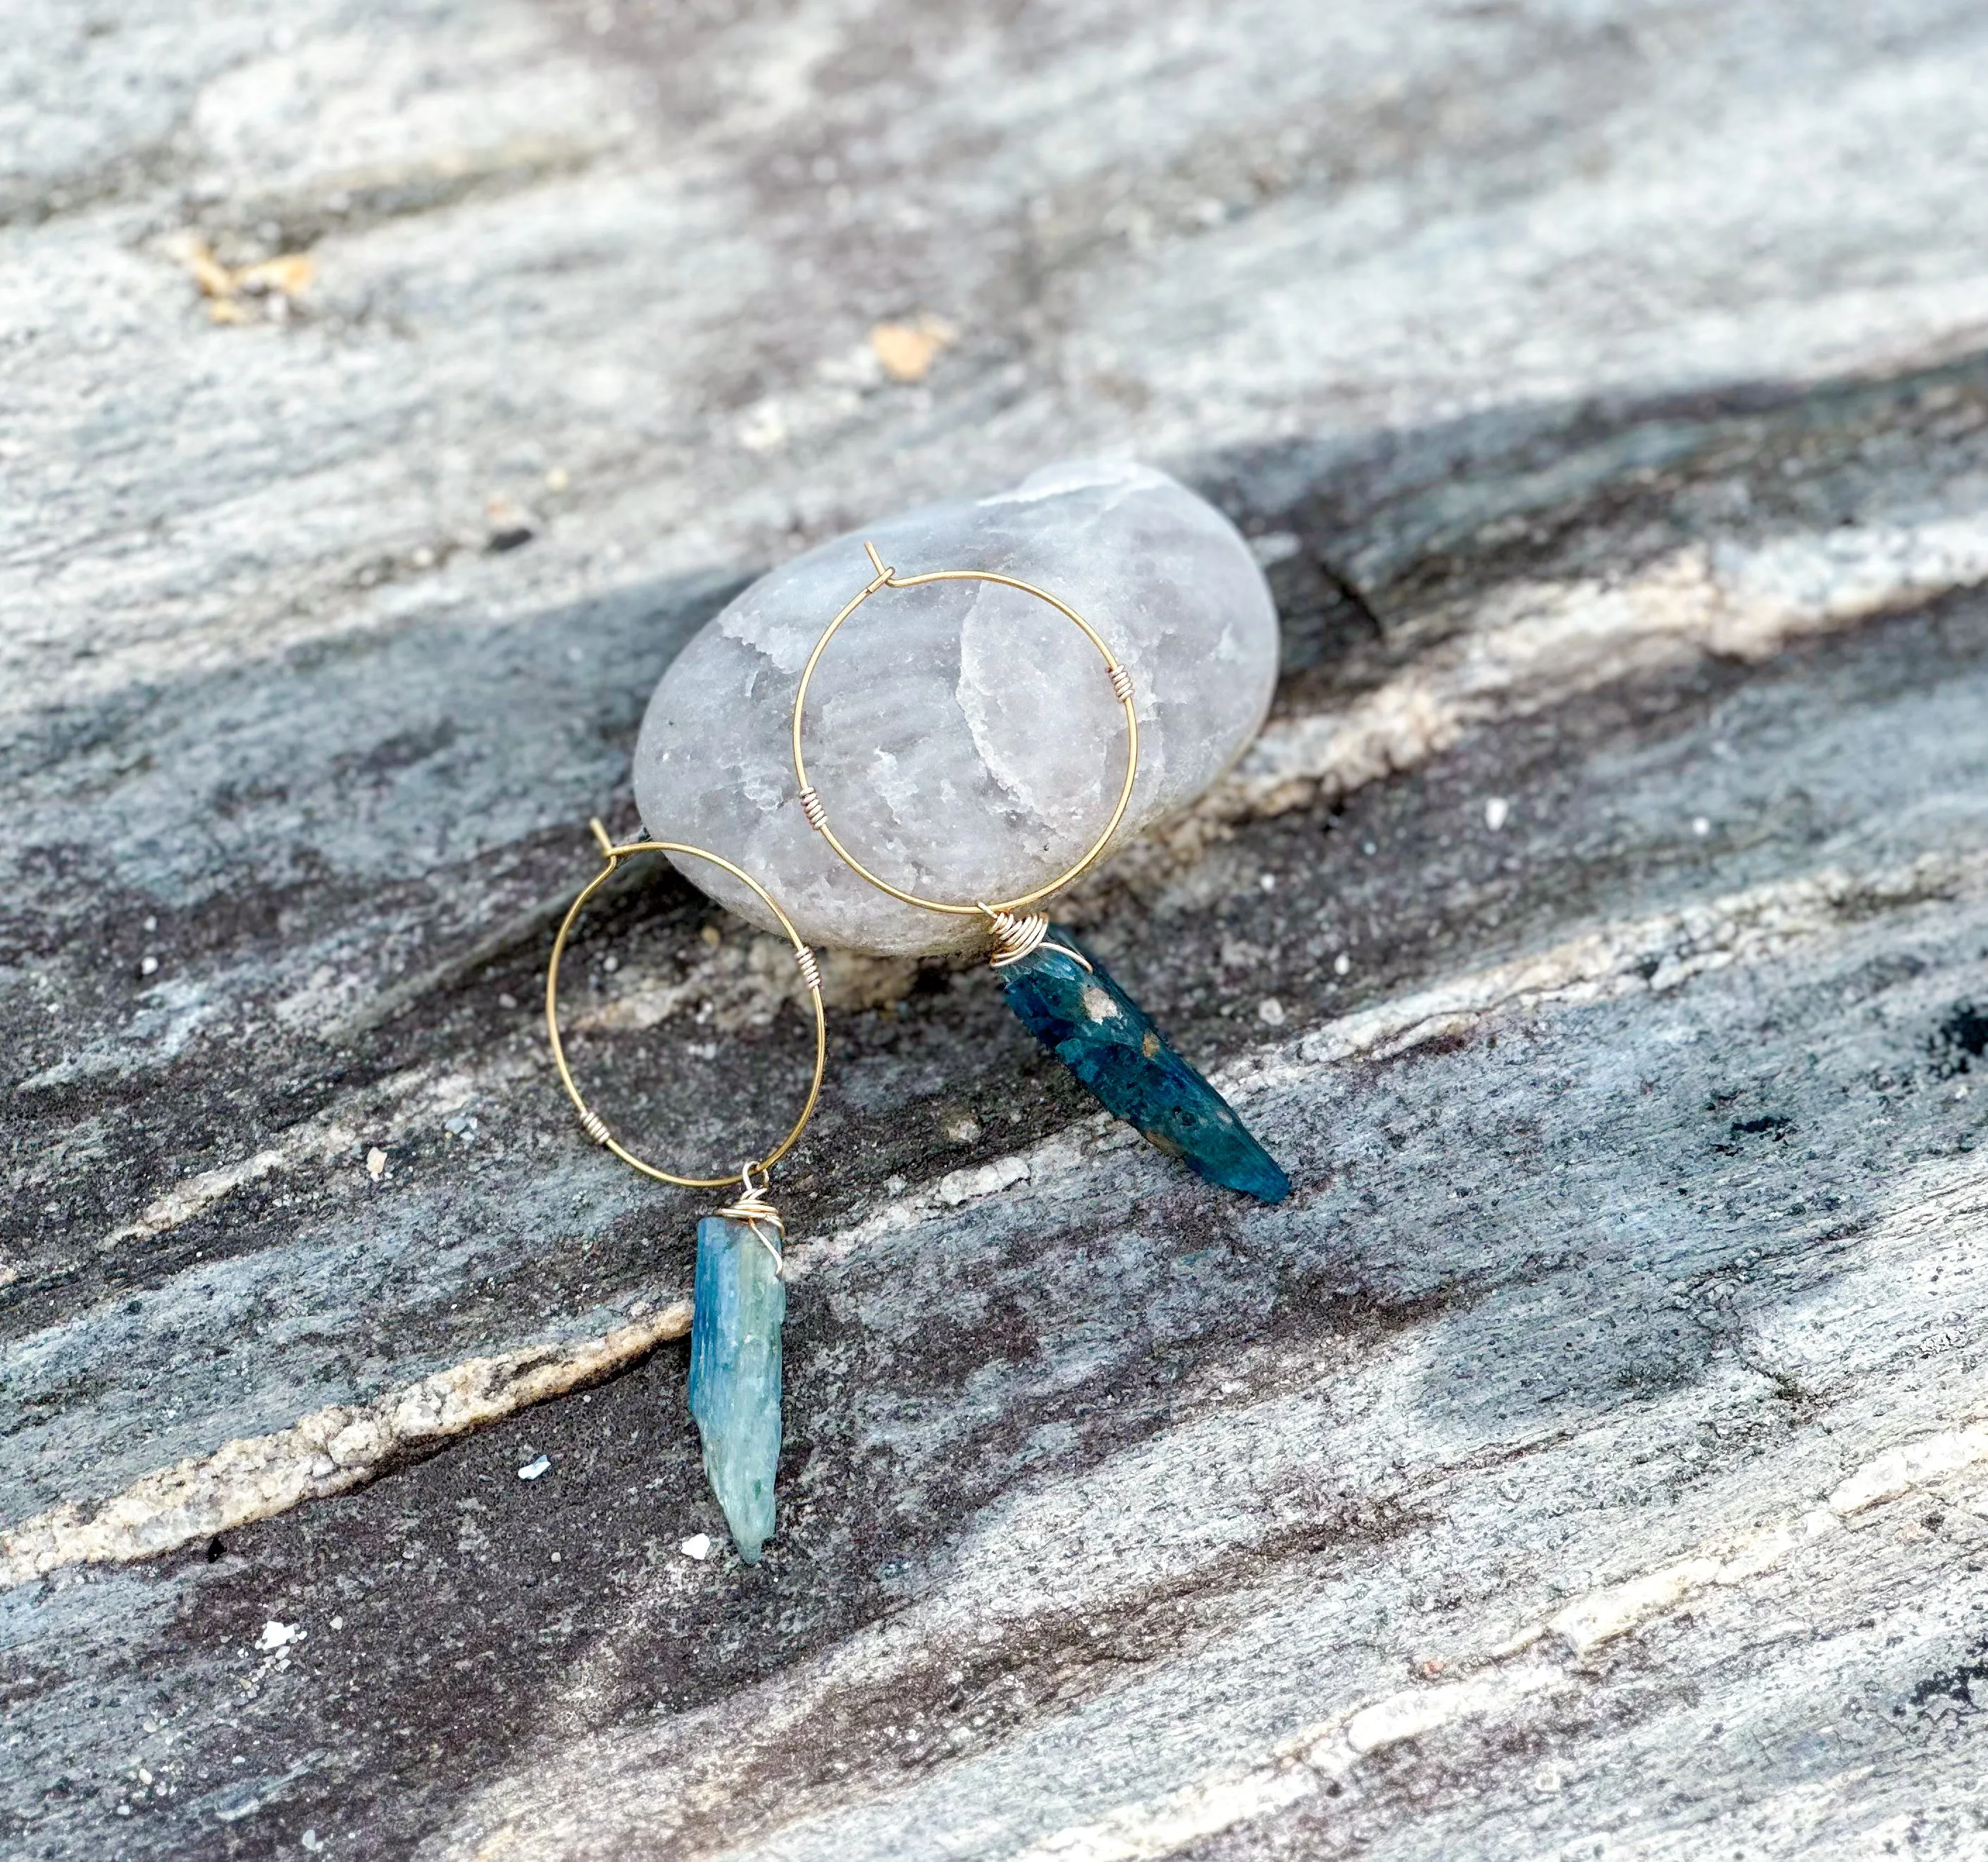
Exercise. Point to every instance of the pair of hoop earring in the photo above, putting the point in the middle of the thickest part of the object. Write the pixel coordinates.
(1060, 991)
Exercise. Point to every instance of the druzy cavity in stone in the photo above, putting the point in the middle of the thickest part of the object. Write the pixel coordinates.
(735, 1374)
(1110, 1043)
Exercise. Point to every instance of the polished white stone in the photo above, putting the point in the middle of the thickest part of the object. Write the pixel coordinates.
(964, 737)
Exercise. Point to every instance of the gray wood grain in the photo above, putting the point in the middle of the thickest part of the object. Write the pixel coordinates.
(1591, 1457)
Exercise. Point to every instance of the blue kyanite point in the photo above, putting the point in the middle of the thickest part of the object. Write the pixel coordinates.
(735, 1374)
(1109, 1042)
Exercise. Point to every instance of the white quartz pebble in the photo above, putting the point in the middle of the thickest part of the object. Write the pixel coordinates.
(964, 737)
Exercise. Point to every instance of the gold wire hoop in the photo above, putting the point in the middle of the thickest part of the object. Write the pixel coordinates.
(595, 1126)
(1121, 684)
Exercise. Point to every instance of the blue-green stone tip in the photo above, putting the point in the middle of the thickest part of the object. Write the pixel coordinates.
(735, 1375)
(1110, 1043)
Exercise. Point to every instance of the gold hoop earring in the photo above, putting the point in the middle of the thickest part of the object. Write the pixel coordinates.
(740, 1300)
(1061, 992)
(1008, 930)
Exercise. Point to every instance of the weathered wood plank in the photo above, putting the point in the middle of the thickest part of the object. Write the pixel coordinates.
(1588, 1453)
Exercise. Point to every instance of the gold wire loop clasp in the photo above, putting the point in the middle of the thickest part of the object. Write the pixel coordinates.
(592, 1122)
(1015, 938)
(752, 1209)
(816, 812)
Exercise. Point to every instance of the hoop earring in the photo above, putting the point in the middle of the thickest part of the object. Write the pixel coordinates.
(1062, 993)
(741, 1297)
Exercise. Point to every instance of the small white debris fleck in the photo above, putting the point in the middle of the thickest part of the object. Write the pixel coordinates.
(147, 965)
(277, 1635)
(1342, 964)
(532, 1469)
(1497, 812)
(1270, 1012)
(1274, 546)
(611, 964)
(764, 429)
(151, 921)
(556, 1558)
(375, 1163)
(144, 1776)
(697, 1546)
(338, 1622)
(1268, 881)
(1700, 826)
(311, 1841)
(505, 999)
(1960, 1090)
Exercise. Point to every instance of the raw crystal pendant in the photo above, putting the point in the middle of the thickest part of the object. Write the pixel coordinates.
(1109, 1042)
(735, 1373)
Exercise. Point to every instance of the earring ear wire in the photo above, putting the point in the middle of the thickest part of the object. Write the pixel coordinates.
(741, 1297)
(1000, 914)
(591, 1122)
(1068, 1001)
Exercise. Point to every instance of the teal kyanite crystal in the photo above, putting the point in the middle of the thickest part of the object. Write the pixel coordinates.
(1107, 1041)
(735, 1374)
